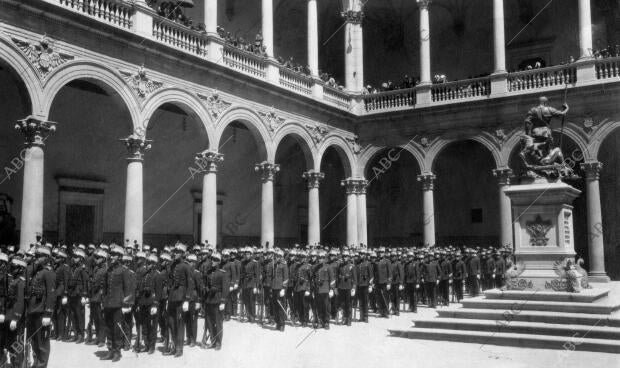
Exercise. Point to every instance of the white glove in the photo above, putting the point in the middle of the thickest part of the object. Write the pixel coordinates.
(417, 286)
(197, 306)
(185, 306)
(307, 293)
(450, 281)
(153, 311)
(478, 276)
(230, 288)
(331, 293)
(84, 301)
(2, 317)
(236, 286)
(493, 276)
(370, 289)
(222, 306)
(389, 286)
(125, 310)
(353, 292)
(46, 321)
(255, 291)
(282, 293)
(63, 301)
(401, 287)
(437, 282)
(13, 325)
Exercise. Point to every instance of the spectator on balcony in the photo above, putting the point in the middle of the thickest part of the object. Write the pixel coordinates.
(258, 41)
(220, 31)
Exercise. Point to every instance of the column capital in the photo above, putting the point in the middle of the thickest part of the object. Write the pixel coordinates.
(208, 160)
(136, 146)
(427, 180)
(354, 185)
(353, 16)
(503, 175)
(35, 131)
(267, 170)
(592, 169)
(424, 4)
(314, 178)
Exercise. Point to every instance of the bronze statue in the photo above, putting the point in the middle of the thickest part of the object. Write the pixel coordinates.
(539, 155)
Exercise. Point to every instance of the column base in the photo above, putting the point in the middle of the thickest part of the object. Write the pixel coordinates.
(598, 277)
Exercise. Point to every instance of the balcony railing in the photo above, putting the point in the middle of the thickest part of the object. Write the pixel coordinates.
(467, 89)
(336, 97)
(542, 78)
(134, 17)
(179, 36)
(390, 100)
(294, 81)
(245, 62)
(608, 68)
(116, 12)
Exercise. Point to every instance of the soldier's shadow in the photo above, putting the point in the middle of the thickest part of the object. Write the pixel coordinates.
(101, 353)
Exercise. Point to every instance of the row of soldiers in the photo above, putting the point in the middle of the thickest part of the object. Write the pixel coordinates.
(147, 290)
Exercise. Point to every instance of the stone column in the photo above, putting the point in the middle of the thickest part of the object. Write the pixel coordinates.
(134, 206)
(505, 209)
(585, 29)
(267, 172)
(596, 244)
(362, 226)
(313, 38)
(31, 157)
(428, 181)
(210, 16)
(425, 42)
(314, 215)
(499, 38)
(267, 30)
(208, 161)
(353, 46)
(351, 187)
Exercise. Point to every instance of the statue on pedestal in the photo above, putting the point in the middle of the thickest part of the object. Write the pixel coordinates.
(539, 155)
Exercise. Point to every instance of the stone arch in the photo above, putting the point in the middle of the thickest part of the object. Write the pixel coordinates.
(184, 100)
(91, 71)
(599, 137)
(344, 151)
(367, 156)
(304, 139)
(16, 60)
(253, 122)
(436, 149)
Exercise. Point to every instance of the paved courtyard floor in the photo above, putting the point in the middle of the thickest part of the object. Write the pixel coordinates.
(361, 345)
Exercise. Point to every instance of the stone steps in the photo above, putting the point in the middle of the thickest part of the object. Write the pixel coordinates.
(585, 296)
(540, 305)
(512, 339)
(594, 331)
(530, 316)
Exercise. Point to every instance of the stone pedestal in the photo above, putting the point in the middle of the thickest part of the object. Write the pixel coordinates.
(543, 232)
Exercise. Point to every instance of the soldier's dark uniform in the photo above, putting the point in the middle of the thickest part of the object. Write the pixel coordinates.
(231, 304)
(365, 280)
(293, 269)
(15, 308)
(324, 282)
(383, 277)
(128, 318)
(303, 286)
(445, 280)
(216, 291)
(138, 316)
(148, 302)
(346, 281)
(118, 293)
(179, 293)
(191, 317)
(398, 276)
(279, 285)
(411, 284)
(97, 283)
(40, 304)
(432, 273)
(500, 271)
(250, 278)
(488, 272)
(63, 275)
(267, 269)
(78, 289)
(161, 287)
(473, 275)
(459, 274)
(333, 264)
